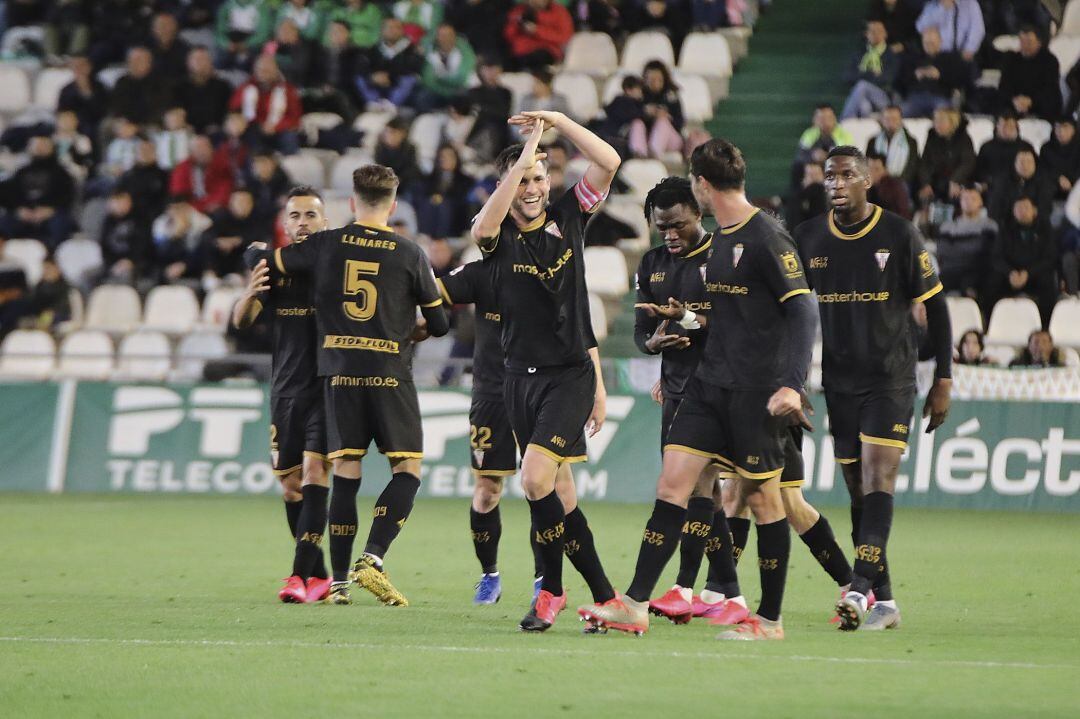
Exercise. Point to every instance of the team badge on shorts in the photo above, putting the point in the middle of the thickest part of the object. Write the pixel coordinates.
(478, 455)
(882, 257)
(736, 254)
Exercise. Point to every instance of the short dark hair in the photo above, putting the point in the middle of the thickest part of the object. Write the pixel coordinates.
(631, 82)
(849, 151)
(507, 158)
(824, 106)
(374, 184)
(668, 193)
(304, 191)
(720, 163)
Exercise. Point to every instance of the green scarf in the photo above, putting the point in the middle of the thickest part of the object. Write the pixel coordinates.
(871, 61)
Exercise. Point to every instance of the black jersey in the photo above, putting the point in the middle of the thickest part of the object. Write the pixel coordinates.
(867, 278)
(752, 270)
(661, 275)
(288, 307)
(471, 284)
(538, 273)
(367, 284)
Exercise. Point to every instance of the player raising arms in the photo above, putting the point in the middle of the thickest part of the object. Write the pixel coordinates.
(534, 254)
(368, 283)
(868, 267)
(744, 393)
(297, 421)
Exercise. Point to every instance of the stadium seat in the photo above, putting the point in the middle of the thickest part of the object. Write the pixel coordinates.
(193, 352)
(109, 75)
(78, 313)
(627, 209)
(1011, 321)
(48, 84)
(16, 94)
(217, 308)
(341, 175)
(1070, 357)
(642, 176)
(580, 92)
(598, 317)
(312, 122)
(406, 214)
(707, 54)
(370, 124)
(338, 213)
(171, 308)
(113, 308)
(641, 47)
(1065, 323)
(1070, 25)
(862, 129)
(980, 130)
(86, 354)
(27, 354)
(304, 168)
(919, 127)
(1036, 131)
(426, 135)
(613, 86)
(964, 315)
(1066, 48)
(696, 97)
(79, 260)
(606, 273)
(143, 356)
(519, 84)
(29, 254)
(591, 53)
(1007, 43)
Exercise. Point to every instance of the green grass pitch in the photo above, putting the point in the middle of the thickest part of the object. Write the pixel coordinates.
(166, 606)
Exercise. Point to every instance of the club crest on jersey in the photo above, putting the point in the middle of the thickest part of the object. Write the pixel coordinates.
(478, 455)
(553, 230)
(882, 257)
(736, 254)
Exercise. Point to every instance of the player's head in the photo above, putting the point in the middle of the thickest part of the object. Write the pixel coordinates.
(374, 192)
(534, 188)
(847, 178)
(671, 208)
(716, 166)
(304, 213)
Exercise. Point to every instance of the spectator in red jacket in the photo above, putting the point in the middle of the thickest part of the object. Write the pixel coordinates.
(537, 33)
(204, 177)
(271, 105)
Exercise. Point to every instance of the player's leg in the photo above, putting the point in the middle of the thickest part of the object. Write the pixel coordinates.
(738, 518)
(347, 439)
(721, 601)
(579, 545)
(677, 604)
(538, 472)
(310, 562)
(485, 525)
(286, 454)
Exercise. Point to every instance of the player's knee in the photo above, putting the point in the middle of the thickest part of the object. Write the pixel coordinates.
(315, 472)
(764, 501)
(487, 493)
(290, 487)
(731, 499)
(800, 513)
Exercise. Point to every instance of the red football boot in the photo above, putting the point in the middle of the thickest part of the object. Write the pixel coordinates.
(726, 612)
(543, 612)
(672, 606)
(317, 589)
(294, 591)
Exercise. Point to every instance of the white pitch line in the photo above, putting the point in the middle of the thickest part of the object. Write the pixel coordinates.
(530, 650)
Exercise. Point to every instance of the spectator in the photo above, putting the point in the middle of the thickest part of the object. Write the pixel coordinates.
(84, 95)
(271, 106)
(39, 196)
(169, 50)
(537, 32)
(896, 146)
(363, 19)
(1070, 243)
(818, 139)
(173, 141)
(1040, 352)
(221, 250)
(621, 113)
(292, 53)
(669, 18)
(872, 72)
(963, 244)
(889, 192)
(176, 234)
(420, 17)
(146, 182)
(268, 185)
(482, 21)
(396, 152)
(307, 16)
(931, 76)
(1022, 180)
(66, 29)
(948, 159)
(233, 148)
(242, 28)
(139, 95)
(390, 69)
(74, 149)
(113, 24)
(810, 199)
(203, 95)
(204, 177)
(336, 67)
(121, 153)
(960, 23)
(543, 97)
(998, 155)
(1023, 260)
(606, 16)
(449, 63)
(126, 245)
(440, 255)
(1030, 79)
(971, 349)
(659, 133)
(1072, 82)
(51, 297)
(899, 20)
(491, 102)
(1060, 157)
(442, 200)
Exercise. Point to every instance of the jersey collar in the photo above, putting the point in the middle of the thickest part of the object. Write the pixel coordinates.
(535, 224)
(704, 245)
(381, 228)
(736, 227)
(875, 215)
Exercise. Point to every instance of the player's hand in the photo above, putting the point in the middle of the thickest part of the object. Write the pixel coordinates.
(260, 279)
(786, 402)
(657, 392)
(525, 120)
(598, 414)
(937, 404)
(661, 342)
(806, 406)
(529, 155)
(419, 332)
(674, 309)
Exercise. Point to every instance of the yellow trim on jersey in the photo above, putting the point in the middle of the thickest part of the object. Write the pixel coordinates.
(380, 228)
(846, 460)
(443, 292)
(494, 472)
(403, 455)
(535, 224)
(927, 295)
(720, 459)
(557, 457)
(874, 217)
(347, 452)
(736, 228)
(704, 246)
(789, 295)
(791, 483)
(316, 455)
(882, 441)
(286, 472)
(436, 303)
(278, 263)
(759, 476)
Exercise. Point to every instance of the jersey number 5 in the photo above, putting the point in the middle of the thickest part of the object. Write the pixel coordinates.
(355, 285)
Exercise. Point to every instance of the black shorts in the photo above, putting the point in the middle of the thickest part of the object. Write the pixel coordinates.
(297, 429)
(548, 409)
(358, 412)
(670, 407)
(794, 472)
(879, 417)
(732, 427)
(491, 441)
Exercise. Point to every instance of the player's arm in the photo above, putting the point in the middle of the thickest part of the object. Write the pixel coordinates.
(488, 223)
(926, 287)
(249, 306)
(599, 410)
(426, 294)
(604, 160)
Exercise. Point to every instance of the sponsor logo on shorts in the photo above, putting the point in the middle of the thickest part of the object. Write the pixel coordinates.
(558, 441)
(900, 428)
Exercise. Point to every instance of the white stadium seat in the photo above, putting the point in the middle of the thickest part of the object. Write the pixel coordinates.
(108, 76)
(218, 306)
(964, 315)
(627, 209)
(695, 96)
(28, 254)
(1011, 321)
(113, 308)
(580, 92)
(48, 84)
(86, 354)
(304, 168)
(862, 129)
(79, 260)
(592, 53)
(980, 130)
(1007, 43)
(641, 47)
(642, 176)
(193, 352)
(919, 127)
(1066, 48)
(1070, 24)
(16, 89)
(338, 213)
(1065, 323)
(171, 308)
(370, 124)
(598, 316)
(312, 122)
(426, 134)
(519, 84)
(708, 54)
(344, 166)
(1036, 131)
(606, 273)
(143, 356)
(613, 86)
(27, 354)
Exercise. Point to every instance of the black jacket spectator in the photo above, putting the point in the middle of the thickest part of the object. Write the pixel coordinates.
(1023, 260)
(84, 96)
(140, 95)
(948, 159)
(221, 251)
(1023, 180)
(169, 50)
(126, 243)
(42, 182)
(268, 184)
(396, 152)
(896, 147)
(442, 199)
(482, 22)
(147, 183)
(202, 94)
(1060, 158)
(333, 79)
(954, 73)
(1034, 74)
(899, 17)
(999, 154)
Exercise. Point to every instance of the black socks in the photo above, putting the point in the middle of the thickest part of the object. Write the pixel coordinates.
(874, 528)
(657, 545)
(822, 544)
(722, 577)
(486, 530)
(391, 510)
(774, 547)
(699, 517)
(549, 533)
(740, 535)
(581, 551)
(343, 521)
(309, 528)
